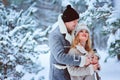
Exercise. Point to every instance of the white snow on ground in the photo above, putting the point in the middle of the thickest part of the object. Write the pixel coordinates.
(44, 58)
(111, 69)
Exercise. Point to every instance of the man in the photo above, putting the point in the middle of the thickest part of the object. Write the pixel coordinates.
(59, 42)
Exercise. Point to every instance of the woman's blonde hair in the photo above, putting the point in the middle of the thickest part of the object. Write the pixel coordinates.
(87, 45)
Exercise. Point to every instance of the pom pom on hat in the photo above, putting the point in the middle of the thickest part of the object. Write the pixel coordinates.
(81, 27)
(69, 14)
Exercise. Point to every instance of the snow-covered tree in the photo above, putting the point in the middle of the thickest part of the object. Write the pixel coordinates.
(113, 29)
(95, 16)
(79, 5)
(19, 44)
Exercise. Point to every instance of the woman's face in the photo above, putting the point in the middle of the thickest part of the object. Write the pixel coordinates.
(83, 35)
(71, 25)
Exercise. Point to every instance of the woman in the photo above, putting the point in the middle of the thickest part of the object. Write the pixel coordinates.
(82, 46)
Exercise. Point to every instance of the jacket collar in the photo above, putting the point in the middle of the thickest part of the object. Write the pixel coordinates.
(63, 29)
(81, 49)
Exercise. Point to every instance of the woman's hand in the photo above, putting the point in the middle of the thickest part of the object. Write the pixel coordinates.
(96, 67)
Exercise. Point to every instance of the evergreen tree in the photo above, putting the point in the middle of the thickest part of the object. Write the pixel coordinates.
(19, 36)
(95, 16)
(113, 29)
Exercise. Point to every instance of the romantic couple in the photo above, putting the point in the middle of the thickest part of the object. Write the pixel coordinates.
(72, 56)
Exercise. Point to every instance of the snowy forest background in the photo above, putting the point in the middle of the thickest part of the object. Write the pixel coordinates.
(24, 29)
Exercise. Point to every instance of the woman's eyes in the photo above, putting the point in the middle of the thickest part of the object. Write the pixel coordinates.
(84, 31)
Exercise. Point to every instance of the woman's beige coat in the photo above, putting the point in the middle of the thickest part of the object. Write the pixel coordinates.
(79, 71)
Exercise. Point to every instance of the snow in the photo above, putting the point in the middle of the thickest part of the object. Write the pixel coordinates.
(65, 3)
(111, 39)
(19, 68)
(18, 28)
(28, 76)
(109, 70)
(117, 8)
(116, 12)
(41, 48)
(24, 39)
(44, 58)
(117, 34)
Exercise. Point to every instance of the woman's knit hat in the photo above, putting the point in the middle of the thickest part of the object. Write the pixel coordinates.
(81, 27)
(69, 14)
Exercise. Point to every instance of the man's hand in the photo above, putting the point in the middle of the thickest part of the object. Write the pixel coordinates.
(88, 61)
(96, 67)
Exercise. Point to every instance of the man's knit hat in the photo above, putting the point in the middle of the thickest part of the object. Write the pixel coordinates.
(69, 14)
(81, 27)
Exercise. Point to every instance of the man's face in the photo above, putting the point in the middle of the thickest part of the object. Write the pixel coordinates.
(71, 25)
